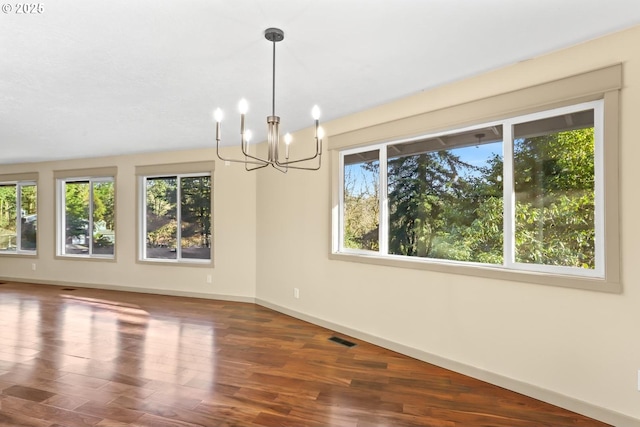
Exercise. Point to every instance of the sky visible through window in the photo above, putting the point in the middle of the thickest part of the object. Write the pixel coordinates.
(475, 155)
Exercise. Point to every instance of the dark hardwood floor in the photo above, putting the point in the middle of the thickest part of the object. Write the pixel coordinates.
(83, 357)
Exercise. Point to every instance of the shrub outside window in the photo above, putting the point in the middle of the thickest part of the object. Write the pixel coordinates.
(177, 218)
(361, 201)
(18, 217)
(523, 193)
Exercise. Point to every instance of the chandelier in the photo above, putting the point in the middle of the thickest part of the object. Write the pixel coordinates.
(273, 158)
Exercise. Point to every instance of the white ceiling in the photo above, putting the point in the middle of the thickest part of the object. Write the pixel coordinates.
(89, 78)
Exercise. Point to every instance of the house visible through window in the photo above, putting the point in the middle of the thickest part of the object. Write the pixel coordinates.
(18, 217)
(86, 208)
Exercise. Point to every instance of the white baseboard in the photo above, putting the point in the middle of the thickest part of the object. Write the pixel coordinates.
(593, 411)
(171, 292)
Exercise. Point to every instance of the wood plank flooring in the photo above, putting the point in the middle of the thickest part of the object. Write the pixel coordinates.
(82, 357)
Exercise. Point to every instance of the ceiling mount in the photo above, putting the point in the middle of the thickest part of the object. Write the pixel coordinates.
(274, 34)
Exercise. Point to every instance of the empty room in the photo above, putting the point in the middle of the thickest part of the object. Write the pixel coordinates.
(331, 213)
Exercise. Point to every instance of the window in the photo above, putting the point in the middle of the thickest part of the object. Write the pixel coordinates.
(556, 214)
(445, 196)
(18, 217)
(361, 201)
(85, 215)
(175, 213)
(524, 194)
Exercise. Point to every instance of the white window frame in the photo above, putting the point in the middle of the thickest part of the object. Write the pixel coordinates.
(509, 192)
(19, 185)
(142, 219)
(61, 217)
(509, 269)
(383, 226)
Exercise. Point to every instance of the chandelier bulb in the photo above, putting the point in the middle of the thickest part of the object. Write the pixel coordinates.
(243, 106)
(288, 138)
(247, 136)
(315, 112)
(217, 115)
(320, 132)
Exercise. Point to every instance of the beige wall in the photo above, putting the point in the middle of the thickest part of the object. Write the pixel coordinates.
(564, 345)
(234, 234)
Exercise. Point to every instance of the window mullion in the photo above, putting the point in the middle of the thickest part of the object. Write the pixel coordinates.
(599, 180)
(90, 226)
(383, 221)
(62, 216)
(18, 217)
(340, 243)
(508, 195)
(143, 182)
(178, 218)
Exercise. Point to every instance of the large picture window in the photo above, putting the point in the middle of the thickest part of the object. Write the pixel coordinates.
(177, 218)
(520, 194)
(18, 217)
(86, 215)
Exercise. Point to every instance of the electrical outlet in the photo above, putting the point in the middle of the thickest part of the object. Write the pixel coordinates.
(33, 266)
(296, 293)
(209, 278)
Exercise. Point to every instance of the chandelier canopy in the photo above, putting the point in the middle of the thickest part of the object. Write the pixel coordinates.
(273, 158)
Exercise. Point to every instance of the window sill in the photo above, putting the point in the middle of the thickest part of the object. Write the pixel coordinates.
(18, 254)
(85, 258)
(484, 271)
(176, 263)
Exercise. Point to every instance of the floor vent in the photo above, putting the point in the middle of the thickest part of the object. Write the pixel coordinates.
(68, 289)
(342, 341)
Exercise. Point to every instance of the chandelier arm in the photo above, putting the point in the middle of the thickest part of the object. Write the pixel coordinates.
(292, 162)
(250, 162)
(258, 162)
(307, 168)
(257, 159)
(280, 169)
(318, 154)
(318, 149)
(248, 169)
